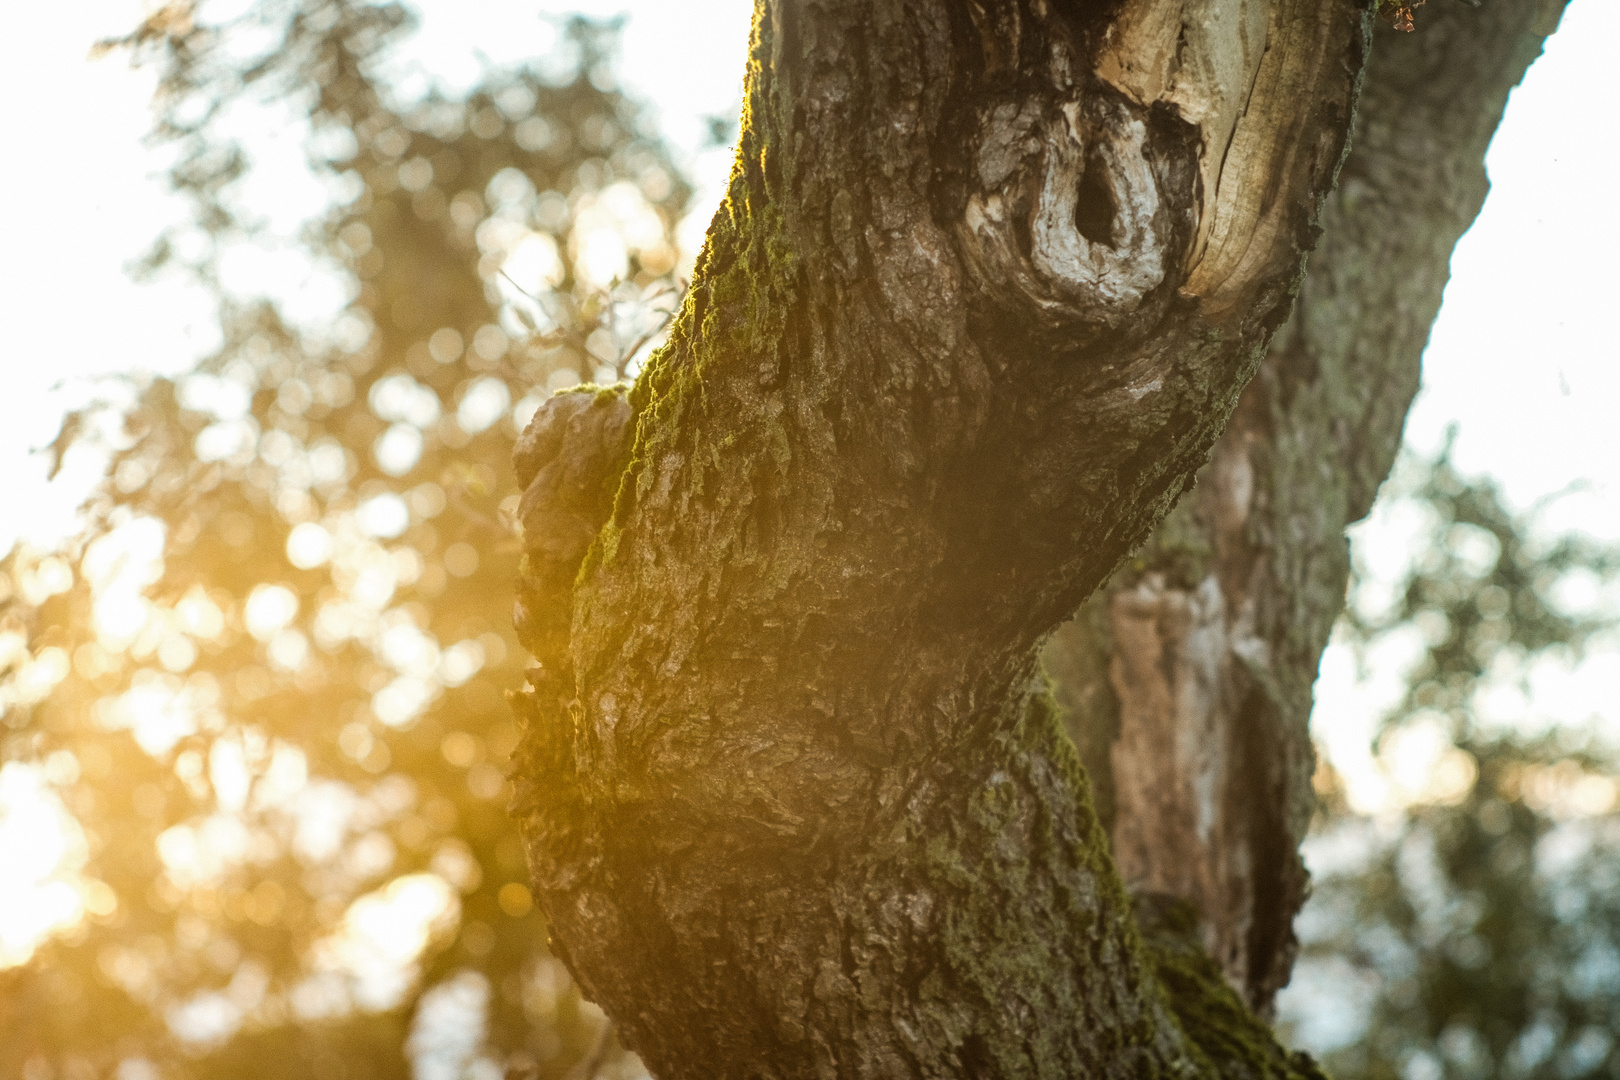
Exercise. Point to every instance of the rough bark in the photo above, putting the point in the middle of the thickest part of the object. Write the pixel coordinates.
(1187, 681)
(987, 283)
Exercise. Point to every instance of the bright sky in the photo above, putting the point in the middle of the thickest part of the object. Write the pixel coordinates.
(94, 200)
(1524, 359)
(1523, 356)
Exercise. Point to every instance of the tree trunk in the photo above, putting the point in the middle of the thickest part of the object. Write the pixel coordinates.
(986, 286)
(1187, 681)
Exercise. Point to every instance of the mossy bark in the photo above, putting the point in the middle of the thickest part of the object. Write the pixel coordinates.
(1187, 681)
(980, 299)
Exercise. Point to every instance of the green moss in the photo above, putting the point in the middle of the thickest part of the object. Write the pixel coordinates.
(1188, 1023)
(1039, 791)
(601, 551)
(1236, 1042)
(1179, 550)
(1075, 660)
(734, 319)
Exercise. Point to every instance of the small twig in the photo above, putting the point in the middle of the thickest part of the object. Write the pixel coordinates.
(625, 357)
(501, 270)
(607, 319)
(629, 354)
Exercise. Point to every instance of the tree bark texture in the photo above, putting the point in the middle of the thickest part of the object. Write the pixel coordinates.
(1187, 680)
(988, 281)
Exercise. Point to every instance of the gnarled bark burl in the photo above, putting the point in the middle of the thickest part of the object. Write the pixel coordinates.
(986, 285)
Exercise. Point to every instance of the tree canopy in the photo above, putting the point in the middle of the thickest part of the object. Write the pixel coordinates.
(267, 679)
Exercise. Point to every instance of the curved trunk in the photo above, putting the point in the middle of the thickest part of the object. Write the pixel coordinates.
(987, 282)
(1187, 681)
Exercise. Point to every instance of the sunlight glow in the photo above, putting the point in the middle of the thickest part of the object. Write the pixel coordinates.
(288, 650)
(308, 546)
(448, 1031)
(405, 647)
(384, 934)
(39, 581)
(483, 402)
(526, 407)
(461, 662)
(401, 399)
(399, 703)
(322, 815)
(268, 609)
(1564, 791)
(119, 565)
(199, 853)
(284, 779)
(36, 678)
(41, 849)
(601, 256)
(384, 516)
(398, 449)
(229, 774)
(231, 441)
(1421, 765)
(213, 1016)
(157, 709)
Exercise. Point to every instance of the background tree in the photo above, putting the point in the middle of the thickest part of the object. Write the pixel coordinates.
(1483, 927)
(1187, 680)
(268, 678)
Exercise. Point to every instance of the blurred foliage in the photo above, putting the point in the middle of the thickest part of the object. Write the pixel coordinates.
(267, 679)
(1477, 934)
